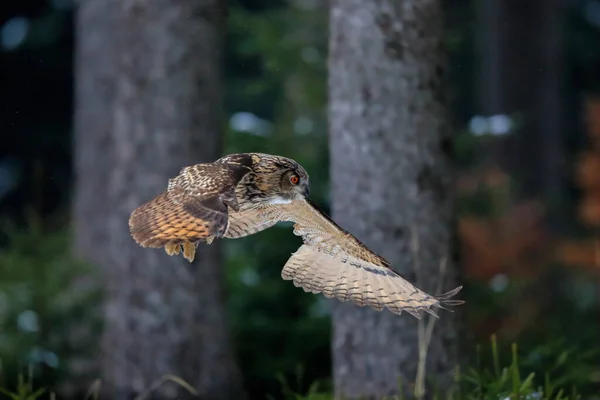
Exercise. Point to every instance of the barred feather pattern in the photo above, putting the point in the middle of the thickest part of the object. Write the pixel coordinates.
(194, 208)
(333, 262)
(246, 223)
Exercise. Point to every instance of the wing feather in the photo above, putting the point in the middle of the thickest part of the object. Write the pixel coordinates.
(333, 262)
(247, 222)
(194, 207)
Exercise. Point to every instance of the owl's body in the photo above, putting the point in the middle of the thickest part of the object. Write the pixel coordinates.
(199, 203)
(242, 194)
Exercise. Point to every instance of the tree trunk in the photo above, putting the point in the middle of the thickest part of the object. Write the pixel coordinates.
(162, 112)
(390, 177)
(94, 93)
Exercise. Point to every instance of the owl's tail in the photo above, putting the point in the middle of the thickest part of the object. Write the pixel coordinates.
(162, 222)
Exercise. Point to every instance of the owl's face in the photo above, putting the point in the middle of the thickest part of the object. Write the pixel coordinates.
(283, 179)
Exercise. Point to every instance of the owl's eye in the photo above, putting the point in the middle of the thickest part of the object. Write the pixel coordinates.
(294, 179)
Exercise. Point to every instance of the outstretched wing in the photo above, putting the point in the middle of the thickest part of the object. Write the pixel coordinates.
(247, 222)
(194, 207)
(333, 262)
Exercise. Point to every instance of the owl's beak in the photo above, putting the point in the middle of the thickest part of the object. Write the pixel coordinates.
(306, 192)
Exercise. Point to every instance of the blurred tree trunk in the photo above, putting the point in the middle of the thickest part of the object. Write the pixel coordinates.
(391, 177)
(521, 67)
(94, 93)
(149, 95)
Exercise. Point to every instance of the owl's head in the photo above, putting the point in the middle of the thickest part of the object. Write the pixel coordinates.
(283, 179)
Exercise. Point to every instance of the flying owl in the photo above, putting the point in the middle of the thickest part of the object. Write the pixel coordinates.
(242, 194)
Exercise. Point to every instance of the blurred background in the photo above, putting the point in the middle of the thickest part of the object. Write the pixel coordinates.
(525, 85)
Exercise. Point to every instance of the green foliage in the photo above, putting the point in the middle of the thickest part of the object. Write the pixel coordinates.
(500, 374)
(277, 71)
(24, 390)
(276, 326)
(515, 381)
(274, 48)
(491, 380)
(47, 309)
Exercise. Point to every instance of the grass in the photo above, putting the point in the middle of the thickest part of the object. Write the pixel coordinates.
(25, 390)
(491, 382)
(494, 381)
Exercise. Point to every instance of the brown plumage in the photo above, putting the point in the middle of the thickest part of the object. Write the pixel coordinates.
(193, 208)
(242, 194)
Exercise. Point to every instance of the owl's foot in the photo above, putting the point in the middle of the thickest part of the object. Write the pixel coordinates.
(210, 239)
(172, 249)
(187, 248)
(189, 251)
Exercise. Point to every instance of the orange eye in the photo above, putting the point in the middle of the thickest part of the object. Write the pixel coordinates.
(294, 179)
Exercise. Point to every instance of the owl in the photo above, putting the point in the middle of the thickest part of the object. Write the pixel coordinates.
(242, 194)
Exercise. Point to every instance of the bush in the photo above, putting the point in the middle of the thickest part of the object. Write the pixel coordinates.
(47, 307)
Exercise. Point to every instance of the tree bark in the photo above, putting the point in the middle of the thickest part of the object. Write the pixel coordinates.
(162, 112)
(391, 178)
(94, 93)
(92, 157)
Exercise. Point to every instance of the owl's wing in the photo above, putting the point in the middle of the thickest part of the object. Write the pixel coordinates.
(194, 207)
(333, 262)
(247, 222)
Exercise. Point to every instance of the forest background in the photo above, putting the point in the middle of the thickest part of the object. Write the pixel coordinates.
(524, 84)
